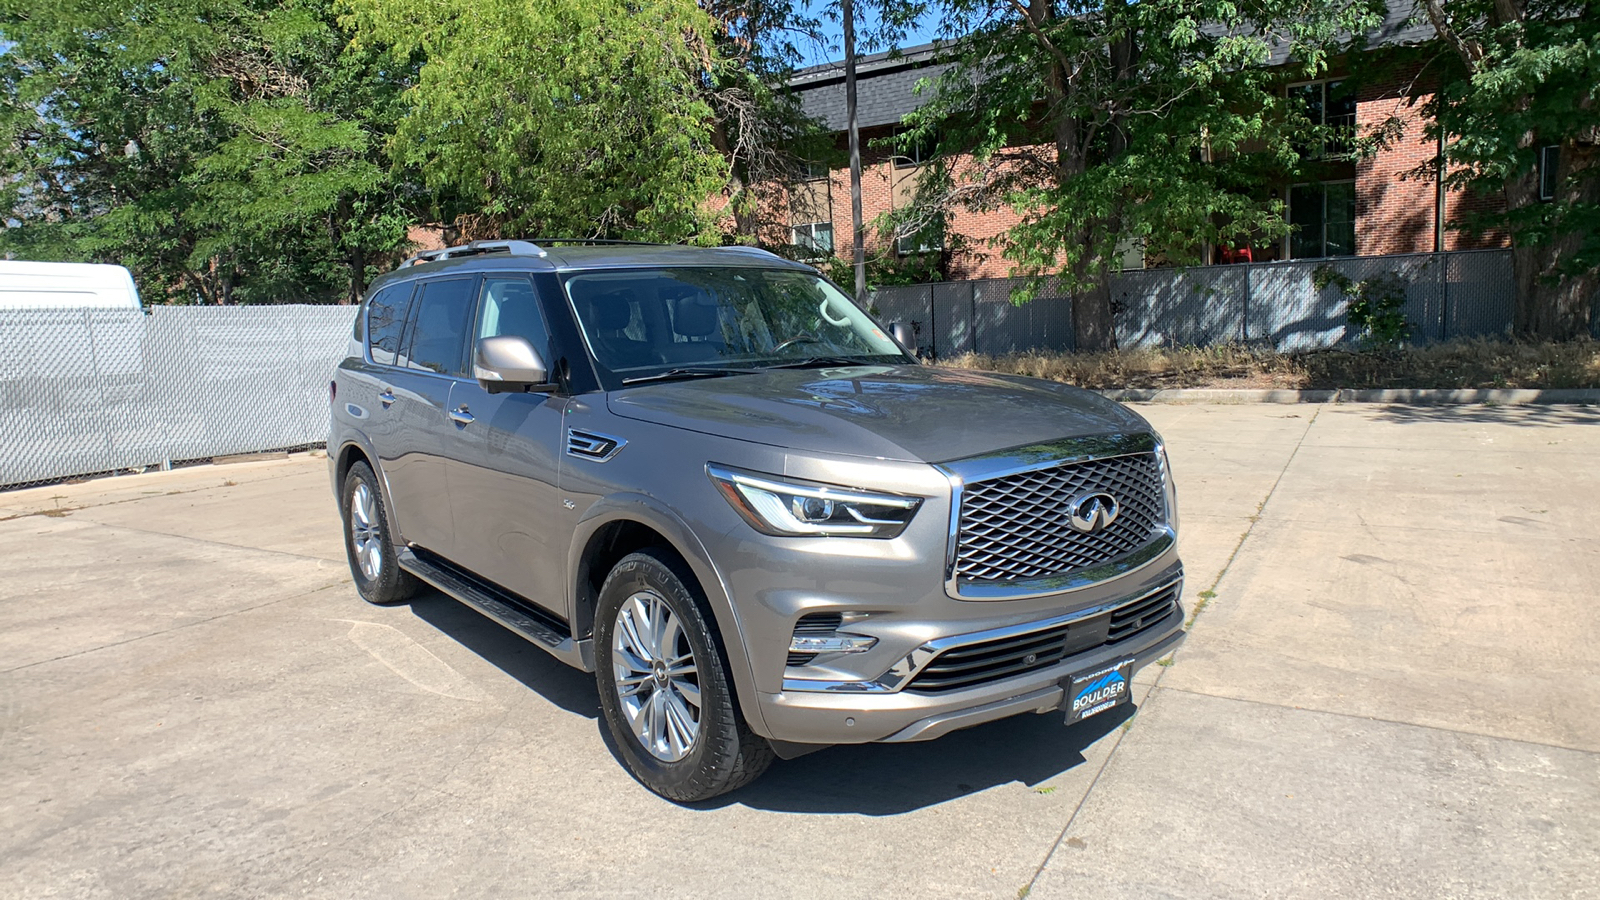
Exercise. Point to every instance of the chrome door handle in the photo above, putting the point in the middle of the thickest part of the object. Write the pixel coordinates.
(460, 416)
(386, 397)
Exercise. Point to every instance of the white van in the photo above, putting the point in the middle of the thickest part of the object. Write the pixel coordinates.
(55, 285)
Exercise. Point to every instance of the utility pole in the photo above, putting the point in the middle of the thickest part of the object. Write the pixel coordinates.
(847, 10)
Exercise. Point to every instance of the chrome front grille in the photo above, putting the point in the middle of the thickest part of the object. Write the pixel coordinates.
(1015, 527)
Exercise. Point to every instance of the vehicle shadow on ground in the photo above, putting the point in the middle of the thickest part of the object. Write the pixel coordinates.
(552, 679)
(866, 779)
(1552, 416)
(889, 779)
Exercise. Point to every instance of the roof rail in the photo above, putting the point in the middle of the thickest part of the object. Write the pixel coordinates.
(749, 249)
(515, 248)
(595, 241)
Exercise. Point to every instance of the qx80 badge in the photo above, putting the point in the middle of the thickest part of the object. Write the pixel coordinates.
(1088, 513)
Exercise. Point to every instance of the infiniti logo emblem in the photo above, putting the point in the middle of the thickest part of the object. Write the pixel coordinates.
(1089, 513)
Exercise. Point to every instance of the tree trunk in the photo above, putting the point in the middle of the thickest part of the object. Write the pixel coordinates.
(358, 271)
(1552, 305)
(1092, 322)
(857, 233)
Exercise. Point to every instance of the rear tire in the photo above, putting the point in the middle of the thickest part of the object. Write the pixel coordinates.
(664, 686)
(368, 543)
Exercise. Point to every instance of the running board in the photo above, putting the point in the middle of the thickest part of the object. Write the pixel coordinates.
(546, 632)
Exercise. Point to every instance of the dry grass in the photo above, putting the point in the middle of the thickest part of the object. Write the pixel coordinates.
(1475, 363)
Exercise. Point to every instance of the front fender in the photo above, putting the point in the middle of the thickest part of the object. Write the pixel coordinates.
(650, 512)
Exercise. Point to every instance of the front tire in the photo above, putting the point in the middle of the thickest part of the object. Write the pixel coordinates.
(664, 687)
(368, 543)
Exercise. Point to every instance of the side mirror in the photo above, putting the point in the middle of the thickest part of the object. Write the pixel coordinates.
(904, 335)
(509, 363)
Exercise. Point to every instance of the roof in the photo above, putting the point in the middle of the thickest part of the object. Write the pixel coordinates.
(617, 256)
(885, 86)
(886, 82)
(556, 256)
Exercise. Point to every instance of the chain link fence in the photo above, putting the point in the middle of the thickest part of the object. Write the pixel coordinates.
(1447, 295)
(90, 391)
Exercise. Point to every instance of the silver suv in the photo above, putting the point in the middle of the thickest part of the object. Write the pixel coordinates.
(711, 479)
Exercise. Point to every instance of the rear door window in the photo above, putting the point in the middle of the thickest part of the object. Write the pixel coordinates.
(437, 337)
(386, 322)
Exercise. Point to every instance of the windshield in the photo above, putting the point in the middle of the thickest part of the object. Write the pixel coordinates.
(651, 322)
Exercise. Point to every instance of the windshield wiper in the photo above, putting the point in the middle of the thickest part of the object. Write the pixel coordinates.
(813, 362)
(687, 372)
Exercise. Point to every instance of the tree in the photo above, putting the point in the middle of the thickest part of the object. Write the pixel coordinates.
(559, 118)
(1516, 77)
(758, 126)
(1110, 124)
(601, 119)
(225, 150)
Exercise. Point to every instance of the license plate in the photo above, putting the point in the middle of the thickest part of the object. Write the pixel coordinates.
(1092, 693)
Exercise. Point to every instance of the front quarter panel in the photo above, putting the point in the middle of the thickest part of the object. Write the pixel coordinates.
(658, 479)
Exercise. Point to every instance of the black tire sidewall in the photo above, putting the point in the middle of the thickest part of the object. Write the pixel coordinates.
(385, 587)
(709, 763)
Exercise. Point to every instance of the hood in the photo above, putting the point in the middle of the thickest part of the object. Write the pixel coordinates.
(922, 413)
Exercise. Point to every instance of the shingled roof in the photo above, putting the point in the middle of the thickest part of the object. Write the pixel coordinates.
(886, 82)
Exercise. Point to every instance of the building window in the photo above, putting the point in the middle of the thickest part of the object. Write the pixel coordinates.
(815, 239)
(1549, 166)
(815, 170)
(928, 240)
(1323, 220)
(1330, 105)
(916, 153)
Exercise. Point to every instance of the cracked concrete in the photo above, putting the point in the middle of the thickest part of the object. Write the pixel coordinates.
(1390, 694)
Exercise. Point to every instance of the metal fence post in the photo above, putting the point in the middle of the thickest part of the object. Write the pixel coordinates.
(1444, 295)
(972, 305)
(1244, 305)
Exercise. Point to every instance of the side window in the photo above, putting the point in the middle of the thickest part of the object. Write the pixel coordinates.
(436, 338)
(510, 306)
(386, 320)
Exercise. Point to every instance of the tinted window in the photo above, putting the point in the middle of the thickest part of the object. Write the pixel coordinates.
(1549, 167)
(1324, 220)
(386, 319)
(511, 307)
(641, 320)
(436, 339)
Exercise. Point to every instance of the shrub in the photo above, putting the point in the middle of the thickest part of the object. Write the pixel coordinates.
(1373, 306)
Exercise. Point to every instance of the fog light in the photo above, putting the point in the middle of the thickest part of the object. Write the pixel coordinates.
(831, 643)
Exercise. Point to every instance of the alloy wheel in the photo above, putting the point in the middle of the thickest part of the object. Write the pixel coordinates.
(366, 536)
(657, 676)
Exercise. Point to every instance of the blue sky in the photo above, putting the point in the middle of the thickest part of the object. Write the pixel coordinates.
(925, 31)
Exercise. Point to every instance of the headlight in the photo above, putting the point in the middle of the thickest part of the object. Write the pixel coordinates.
(1170, 489)
(788, 509)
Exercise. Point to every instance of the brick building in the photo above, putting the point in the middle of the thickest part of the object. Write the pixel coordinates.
(1361, 207)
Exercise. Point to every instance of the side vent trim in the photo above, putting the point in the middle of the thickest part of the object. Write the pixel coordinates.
(592, 445)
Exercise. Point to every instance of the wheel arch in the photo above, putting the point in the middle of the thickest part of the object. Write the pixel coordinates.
(351, 452)
(626, 523)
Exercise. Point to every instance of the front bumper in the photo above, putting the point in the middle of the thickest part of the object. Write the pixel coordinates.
(842, 715)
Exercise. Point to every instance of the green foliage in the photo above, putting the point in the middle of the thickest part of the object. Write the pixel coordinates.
(552, 117)
(1517, 76)
(1374, 305)
(886, 269)
(1100, 125)
(222, 149)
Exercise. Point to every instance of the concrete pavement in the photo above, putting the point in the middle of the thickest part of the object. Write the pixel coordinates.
(1389, 693)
